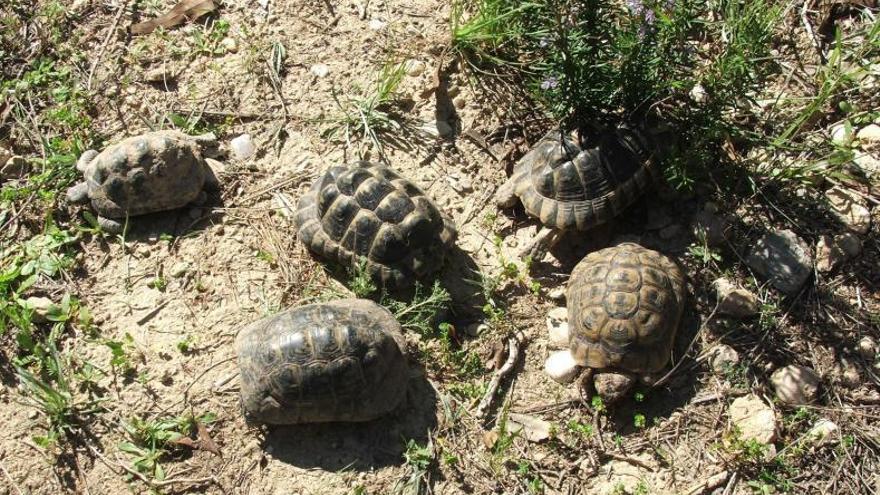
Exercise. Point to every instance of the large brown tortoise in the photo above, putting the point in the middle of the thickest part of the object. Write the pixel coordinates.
(366, 211)
(569, 183)
(338, 361)
(624, 307)
(156, 171)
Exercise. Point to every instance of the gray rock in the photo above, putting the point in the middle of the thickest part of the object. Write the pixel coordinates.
(849, 243)
(824, 432)
(722, 358)
(795, 385)
(849, 208)
(754, 419)
(867, 164)
(734, 301)
(557, 294)
(782, 258)
(179, 269)
(437, 129)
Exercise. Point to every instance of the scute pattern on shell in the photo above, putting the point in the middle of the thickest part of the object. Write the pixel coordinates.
(336, 361)
(570, 187)
(624, 305)
(156, 171)
(368, 210)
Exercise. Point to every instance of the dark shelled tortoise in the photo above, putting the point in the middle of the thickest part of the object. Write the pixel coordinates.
(624, 307)
(570, 183)
(366, 211)
(338, 361)
(153, 172)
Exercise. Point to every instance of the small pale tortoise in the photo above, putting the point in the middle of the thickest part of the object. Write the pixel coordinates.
(569, 183)
(624, 307)
(338, 361)
(153, 172)
(367, 211)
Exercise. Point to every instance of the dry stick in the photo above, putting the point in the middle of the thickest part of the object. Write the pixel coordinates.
(512, 356)
(813, 38)
(709, 484)
(104, 44)
(665, 377)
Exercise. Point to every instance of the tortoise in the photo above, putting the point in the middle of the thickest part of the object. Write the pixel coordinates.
(152, 172)
(624, 307)
(335, 361)
(366, 211)
(580, 181)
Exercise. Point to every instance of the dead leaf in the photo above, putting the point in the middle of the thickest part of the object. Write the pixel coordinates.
(187, 10)
(203, 442)
(495, 356)
(490, 438)
(529, 427)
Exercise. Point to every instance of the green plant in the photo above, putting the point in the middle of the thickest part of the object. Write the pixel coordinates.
(209, 41)
(417, 460)
(360, 282)
(702, 252)
(151, 440)
(368, 115)
(53, 397)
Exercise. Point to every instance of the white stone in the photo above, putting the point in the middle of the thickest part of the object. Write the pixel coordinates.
(867, 163)
(377, 25)
(824, 432)
(414, 68)
(231, 44)
(868, 348)
(243, 147)
(782, 258)
(5, 155)
(754, 419)
(841, 134)
(557, 294)
(795, 385)
(849, 208)
(561, 367)
(699, 94)
(869, 134)
(320, 70)
(557, 326)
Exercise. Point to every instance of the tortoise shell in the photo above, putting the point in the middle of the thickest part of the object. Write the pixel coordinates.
(624, 306)
(571, 186)
(156, 171)
(368, 211)
(336, 361)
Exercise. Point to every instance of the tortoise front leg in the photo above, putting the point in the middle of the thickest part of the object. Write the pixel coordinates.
(110, 225)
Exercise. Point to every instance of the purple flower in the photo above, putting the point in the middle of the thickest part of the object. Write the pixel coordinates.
(549, 83)
(650, 17)
(635, 6)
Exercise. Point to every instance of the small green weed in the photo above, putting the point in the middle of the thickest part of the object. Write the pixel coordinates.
(369, 115)
(360, 282)
(418, 460)
(150, 441)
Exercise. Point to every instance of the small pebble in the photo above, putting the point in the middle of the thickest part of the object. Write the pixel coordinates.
(320, 70)
(699, 94)
(377, 25)
(557, 294)
(723, 358)
(41, 306)
(414, 68)
(824, 432)
(869, 134)
(868, 348)
(243, 147)
(231, 44)
(841, 135)
(179, 269)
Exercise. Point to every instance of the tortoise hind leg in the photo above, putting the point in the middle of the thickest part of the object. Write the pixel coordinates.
(505, 196)
(545, 239)
(78, 193)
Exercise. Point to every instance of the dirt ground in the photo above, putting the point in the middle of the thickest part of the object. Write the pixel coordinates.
(237, 259)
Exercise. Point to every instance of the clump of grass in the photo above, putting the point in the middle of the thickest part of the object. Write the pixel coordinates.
(368, 115)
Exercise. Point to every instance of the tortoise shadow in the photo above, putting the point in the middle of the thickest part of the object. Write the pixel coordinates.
(680, 388)
(359, 446)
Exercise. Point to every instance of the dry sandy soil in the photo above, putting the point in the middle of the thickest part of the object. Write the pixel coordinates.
(238, 259)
